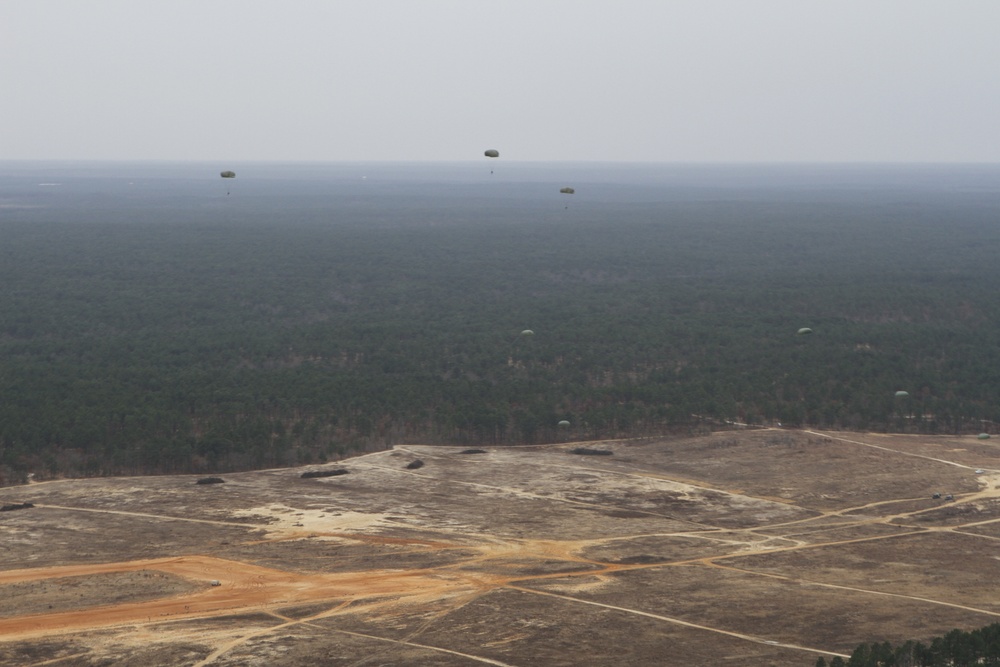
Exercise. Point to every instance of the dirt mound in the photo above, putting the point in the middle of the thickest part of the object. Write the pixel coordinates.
(585, 451)
(311, 474)
(16, 506)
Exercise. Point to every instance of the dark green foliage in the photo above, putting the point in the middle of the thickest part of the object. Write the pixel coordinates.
(586, 451)
(955, 649)
(336, 472)
(305, 319)
(16, 506)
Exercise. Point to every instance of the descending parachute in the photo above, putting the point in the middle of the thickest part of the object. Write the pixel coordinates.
(227, 174)
(567, 191)
(492, 153)
(527, 332)
(902, 394)
(564, 423)
(805, 330)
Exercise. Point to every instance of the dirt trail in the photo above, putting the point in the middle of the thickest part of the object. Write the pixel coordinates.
(677, 621)
(868, 591)
(494, 563)
(476, 658)
(242, 587)
(889, 449)
(145, 515)
(520, 493)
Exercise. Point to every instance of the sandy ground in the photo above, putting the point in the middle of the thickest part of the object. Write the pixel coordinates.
(768, 547)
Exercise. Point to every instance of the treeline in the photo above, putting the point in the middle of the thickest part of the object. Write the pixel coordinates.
(955, 649)
(192, 338)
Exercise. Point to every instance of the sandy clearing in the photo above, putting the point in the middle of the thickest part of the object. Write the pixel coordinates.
(491, 563)
(242, 587)
(285, 520)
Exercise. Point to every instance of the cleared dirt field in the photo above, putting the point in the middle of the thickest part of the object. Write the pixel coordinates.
(766, 547)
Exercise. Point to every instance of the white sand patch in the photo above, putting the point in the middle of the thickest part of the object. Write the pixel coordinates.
(583, 585)
(989, 480)
(288, 520)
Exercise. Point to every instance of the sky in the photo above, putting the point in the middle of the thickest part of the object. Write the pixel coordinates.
(539, 80)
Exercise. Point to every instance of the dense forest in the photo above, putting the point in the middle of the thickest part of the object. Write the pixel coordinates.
(955, 649)
(154, 325)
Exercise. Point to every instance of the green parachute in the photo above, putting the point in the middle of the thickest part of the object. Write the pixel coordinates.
(227, 174)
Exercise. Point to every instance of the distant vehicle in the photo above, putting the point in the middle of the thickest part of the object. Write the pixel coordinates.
(983, 436)
(979, 471)
(936, 495)
(567, 191)
(215, 582)
(949, 497)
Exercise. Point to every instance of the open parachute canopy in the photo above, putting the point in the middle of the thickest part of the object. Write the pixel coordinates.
(228, 174)
(567, 191)
(805, 330)
(902, 394)
(492, 153)
(564, 423)
(527, 332)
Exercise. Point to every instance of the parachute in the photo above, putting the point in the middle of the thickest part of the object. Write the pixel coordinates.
(564, 423)
(805, 330)
(902, 394)
(492, 153)
(567, 191)
(227, 174)
(527, 332)
(983, 436)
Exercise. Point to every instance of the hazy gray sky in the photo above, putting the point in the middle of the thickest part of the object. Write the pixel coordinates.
(633, 80)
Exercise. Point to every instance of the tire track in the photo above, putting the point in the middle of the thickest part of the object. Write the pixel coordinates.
(677, 621)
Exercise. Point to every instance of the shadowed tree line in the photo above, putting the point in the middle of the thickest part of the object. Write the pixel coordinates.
(955, 649)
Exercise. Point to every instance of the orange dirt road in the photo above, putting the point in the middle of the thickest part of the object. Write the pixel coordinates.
(243, 588)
